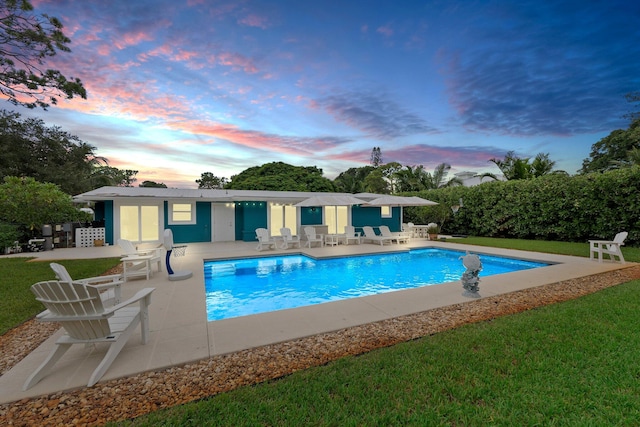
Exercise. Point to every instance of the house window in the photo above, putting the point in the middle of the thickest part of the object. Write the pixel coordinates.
(139, 223)
(385, 211)
(182, 213)
(336, 218)
(282, 216)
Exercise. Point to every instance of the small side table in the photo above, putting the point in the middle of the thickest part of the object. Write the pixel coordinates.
(130, 261)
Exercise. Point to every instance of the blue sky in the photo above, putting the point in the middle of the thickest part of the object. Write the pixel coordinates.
(178, 88)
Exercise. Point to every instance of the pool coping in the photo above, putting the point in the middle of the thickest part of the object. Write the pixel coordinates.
(180, 332)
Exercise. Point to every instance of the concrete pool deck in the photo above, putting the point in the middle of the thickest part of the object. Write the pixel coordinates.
(180, 332)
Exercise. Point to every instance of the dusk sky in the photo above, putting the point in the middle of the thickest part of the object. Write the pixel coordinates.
(178, 88)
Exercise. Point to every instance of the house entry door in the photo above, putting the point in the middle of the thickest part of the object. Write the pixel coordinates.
(223, 218)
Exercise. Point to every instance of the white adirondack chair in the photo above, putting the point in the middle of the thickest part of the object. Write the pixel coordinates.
(608, 247)
(79, 309)
(264, 239)
(109, 286)
(351, 235)
(312, 237)
(138, 262)
(289, 240)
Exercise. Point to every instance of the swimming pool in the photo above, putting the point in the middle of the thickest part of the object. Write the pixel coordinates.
(239, 287)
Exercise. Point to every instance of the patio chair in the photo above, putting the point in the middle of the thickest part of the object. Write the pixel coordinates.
(398, 237)
(608, 247)
(264, 239)
(287, 239)
(312, 237)
(131, 251)
(371, 236)
(351, 235)
(109, 286)
(412, 230)
(79, 309)
(138, 262)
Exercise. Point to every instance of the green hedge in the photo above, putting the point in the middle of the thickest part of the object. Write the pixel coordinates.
(552, 207)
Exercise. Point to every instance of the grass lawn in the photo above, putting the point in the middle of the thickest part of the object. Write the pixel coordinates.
(18, 304)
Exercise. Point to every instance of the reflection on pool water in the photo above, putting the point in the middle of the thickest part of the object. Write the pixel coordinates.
(239, 287)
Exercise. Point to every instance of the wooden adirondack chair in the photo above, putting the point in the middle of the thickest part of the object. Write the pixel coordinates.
(288, 239)
(264, 239)
(608, 247)
(109, 286)
(312, 237)
(138, 262)
(351, 235)
(79, 309)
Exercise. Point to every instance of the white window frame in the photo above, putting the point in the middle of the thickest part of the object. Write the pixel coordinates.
(386, 212)
(287, 216)
(142, 221)
(192, 210)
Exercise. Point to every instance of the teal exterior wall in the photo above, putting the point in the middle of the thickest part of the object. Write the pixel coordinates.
(249, 216)
(191, 233)
(372, 216)
(103, 211)
(108, 222)
(311, 216)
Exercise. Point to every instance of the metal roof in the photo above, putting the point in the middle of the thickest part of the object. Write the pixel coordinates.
(210, 195)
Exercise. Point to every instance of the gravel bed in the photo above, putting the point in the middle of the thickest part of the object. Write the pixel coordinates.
(146, 392)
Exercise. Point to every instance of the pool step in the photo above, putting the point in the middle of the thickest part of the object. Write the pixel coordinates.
(223, 270)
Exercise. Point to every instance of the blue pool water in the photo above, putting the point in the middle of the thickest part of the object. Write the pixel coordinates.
(246, 286)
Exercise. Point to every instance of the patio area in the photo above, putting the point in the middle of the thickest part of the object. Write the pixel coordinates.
(181, 334)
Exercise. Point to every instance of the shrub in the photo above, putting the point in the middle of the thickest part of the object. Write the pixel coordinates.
(551, 207)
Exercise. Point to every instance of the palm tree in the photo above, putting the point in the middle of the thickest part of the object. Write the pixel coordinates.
(417, 179)
(514, 167)
(542, 165)
(410, 178)
(439, 177)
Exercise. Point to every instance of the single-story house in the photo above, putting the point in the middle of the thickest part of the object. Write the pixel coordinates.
(140, 214)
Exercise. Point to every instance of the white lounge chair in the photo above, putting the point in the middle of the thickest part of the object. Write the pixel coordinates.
(78, 308)
(371, 236)
(138, 262)
(608, 247)
(312, 237)
(265, 240)
(287, 239)
(109, 286)
(351, 235)
(398, 237)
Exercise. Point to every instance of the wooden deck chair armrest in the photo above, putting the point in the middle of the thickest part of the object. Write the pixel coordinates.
(148, 251)
(46, 316)
(602, 242)
(144, 296)
(106, 281)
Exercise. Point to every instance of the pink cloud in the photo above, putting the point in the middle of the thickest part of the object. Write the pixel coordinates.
(385, 30)
(132, 39)
(253, 20)
(237, 61)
